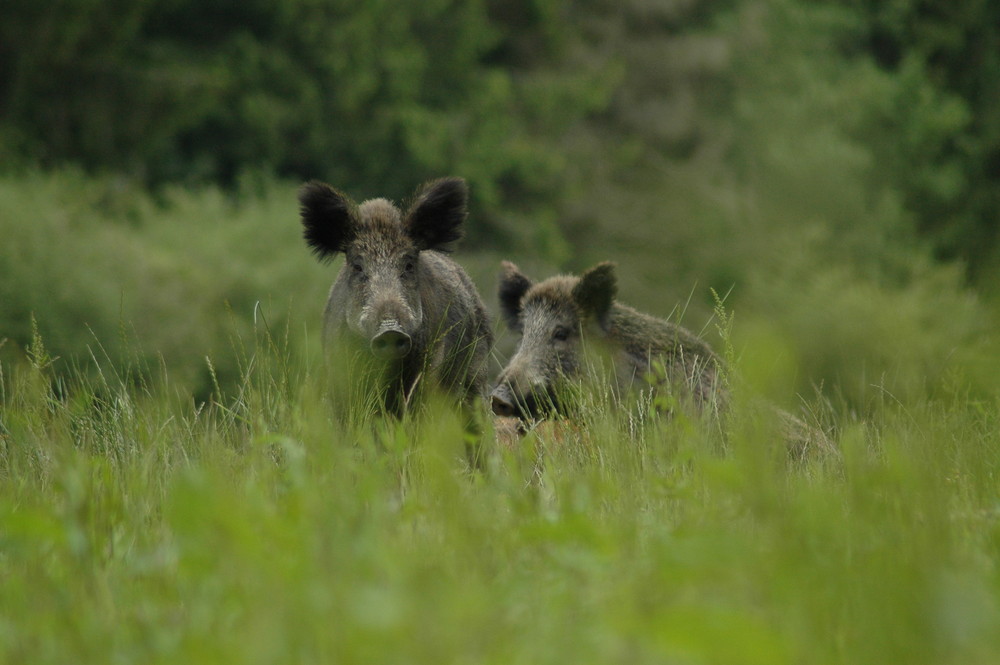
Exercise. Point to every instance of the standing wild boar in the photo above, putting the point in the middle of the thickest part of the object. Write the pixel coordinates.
(398, 293)
(559, 317)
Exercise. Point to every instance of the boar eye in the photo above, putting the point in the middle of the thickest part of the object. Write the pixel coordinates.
(560, 334)
(357, 267)
(408, 267)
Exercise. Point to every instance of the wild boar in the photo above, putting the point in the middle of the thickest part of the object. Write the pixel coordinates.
(398, 294)
(560, 317)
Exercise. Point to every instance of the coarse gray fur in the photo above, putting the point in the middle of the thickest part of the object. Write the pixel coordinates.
(398, 293)
(560, 317)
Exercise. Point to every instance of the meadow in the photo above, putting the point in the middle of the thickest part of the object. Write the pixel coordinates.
(256, 527)
(809, 185)
(178, 485)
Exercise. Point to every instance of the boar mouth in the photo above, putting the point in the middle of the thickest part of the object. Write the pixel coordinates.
(391, 342)
(535, 405)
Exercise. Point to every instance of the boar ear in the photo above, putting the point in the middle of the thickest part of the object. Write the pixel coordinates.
(328, 218)
(596, 290)
(513, 286)
(435, 219)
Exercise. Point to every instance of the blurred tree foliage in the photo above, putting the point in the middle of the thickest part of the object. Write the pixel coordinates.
(941, 132)
(374, 96)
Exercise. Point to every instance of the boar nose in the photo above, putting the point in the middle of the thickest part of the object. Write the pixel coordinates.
(502, 403)
(390, 344)
(502, 407)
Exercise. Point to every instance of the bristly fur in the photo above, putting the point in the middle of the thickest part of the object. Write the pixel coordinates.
(435, 219)
(425, 297)
(596, 291)
(328, 219)
(513, 286)
(640, 345)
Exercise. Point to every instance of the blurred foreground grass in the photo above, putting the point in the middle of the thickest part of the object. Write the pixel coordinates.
(256, 528)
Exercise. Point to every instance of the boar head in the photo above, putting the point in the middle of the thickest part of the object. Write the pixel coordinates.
(552, 317)
(380, 283)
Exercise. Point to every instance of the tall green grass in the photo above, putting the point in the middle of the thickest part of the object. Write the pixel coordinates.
(166, 280)
(107, 269)
(259, 526)
(181, 479)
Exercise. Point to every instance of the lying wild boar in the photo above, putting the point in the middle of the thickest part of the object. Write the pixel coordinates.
(398, 293)
(559, 317)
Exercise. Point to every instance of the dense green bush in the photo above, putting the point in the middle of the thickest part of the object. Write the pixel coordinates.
(941, 134)
(832, 254)
(102, 269)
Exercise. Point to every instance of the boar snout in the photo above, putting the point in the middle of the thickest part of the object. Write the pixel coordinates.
(390, 342)
(502, 402)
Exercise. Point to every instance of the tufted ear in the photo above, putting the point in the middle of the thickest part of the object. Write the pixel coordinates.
(596, 290)
(435, 219)
(328, 218)
(513, 286)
